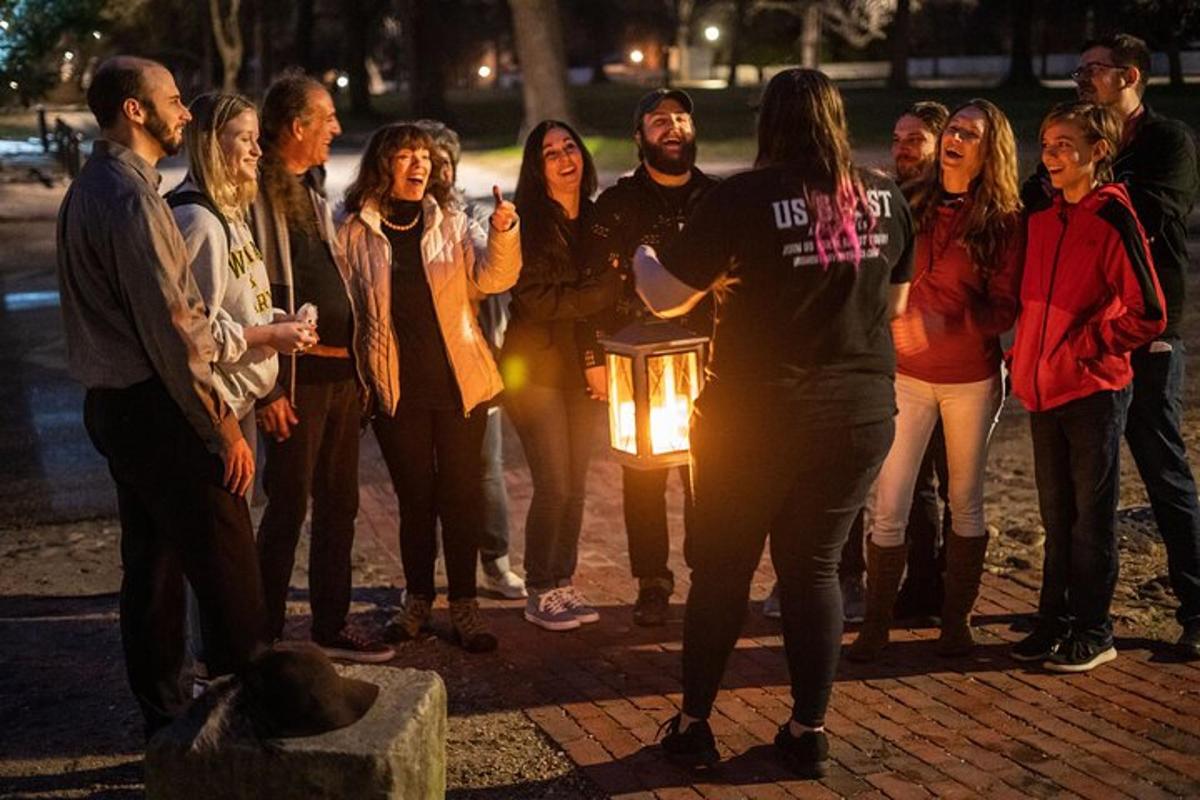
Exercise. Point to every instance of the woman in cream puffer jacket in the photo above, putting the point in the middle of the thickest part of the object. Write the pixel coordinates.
(416, 267)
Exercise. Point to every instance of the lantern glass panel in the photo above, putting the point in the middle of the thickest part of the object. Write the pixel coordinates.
(622, 412)
(674, 382)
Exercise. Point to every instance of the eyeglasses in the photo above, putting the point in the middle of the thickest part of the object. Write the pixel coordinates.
(1086, 71)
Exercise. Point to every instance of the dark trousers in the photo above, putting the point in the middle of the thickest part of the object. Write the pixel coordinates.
(1076, 458)
(493, 539)
(755, 475)
(177, 521)
(433, 459)
(925, 554)
(645, 504)
(557, 427)
(320, 459)
(1153, 434)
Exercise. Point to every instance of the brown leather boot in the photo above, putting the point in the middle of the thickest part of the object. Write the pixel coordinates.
(964, 567)
(885, 566)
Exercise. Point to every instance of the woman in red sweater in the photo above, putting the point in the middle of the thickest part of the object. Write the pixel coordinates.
(963, 296)
(1088, 298)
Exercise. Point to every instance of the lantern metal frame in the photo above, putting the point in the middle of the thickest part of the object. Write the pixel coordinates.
(639, 343)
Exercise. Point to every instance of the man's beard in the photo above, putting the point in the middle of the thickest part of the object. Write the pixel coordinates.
(157, 127)
(682, 164)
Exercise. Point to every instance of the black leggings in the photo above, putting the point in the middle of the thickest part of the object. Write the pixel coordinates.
(754, 475)
(433, 457)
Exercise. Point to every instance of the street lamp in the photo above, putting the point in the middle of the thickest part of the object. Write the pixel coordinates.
(655, 373)
(637, 56)
(484, 72)
(342, 81)
(712, 33)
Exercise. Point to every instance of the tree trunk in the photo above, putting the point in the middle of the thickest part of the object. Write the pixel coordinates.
(358, 41)
(260, 49)
(741, 10)
(538, 33)
(901, 30)
(304, 34)
(1174, 61)
(683, 25)
(427, 65)
(1021, 72)
(810, 35)
(227, 34)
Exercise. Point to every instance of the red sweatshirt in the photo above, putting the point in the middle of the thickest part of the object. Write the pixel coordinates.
(961, 313)
(1089, 297)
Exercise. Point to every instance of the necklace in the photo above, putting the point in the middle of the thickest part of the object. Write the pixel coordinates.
(408, 226)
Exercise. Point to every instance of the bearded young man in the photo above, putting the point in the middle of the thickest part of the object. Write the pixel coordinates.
(649, 207)
(138, 337)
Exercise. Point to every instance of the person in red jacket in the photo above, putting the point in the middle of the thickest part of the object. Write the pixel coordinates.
(964, 295)
(1089, 297)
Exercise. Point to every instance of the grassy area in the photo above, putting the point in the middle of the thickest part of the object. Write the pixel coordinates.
(488, 120)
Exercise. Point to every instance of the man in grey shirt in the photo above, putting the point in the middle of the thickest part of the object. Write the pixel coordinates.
(138, 339)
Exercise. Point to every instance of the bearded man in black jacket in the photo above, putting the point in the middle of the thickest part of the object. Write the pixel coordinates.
(649, 207)
(1157, 162)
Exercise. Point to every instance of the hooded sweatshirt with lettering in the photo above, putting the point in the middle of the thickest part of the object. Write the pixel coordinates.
(232, 277)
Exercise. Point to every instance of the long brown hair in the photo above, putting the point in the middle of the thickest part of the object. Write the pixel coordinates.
(545, 229)
(802, 121)
(993, 210)
(376, 171)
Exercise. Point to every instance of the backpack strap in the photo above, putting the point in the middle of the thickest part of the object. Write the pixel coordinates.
(178, 198)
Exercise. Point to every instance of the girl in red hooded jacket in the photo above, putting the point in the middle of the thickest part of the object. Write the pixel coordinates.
(1089, 296)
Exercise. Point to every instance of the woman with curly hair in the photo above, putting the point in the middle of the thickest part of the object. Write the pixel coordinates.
(415, 271)
(966, 275)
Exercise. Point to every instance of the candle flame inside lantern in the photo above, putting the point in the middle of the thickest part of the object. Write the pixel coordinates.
(670, 408)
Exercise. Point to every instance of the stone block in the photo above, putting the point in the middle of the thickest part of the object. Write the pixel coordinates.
(397, 751)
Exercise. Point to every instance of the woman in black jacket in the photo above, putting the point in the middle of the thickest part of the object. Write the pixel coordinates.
(543, 368)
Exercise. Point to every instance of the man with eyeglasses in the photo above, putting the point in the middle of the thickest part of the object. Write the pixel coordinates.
(1157, 162)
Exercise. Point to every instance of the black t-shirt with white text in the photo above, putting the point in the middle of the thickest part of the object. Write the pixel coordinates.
(800, 320)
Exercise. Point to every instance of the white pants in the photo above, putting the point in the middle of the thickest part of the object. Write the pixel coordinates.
(969, 412)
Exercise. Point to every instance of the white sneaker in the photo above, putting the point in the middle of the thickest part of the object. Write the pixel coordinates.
(498, 577)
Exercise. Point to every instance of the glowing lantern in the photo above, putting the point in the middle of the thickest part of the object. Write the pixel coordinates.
(655, 373)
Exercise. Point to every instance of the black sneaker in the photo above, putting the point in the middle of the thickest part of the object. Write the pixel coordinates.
(695, 747)
(1080, 655)
(653, 606)
(1188, 645)
(351, 646)
(807, 755)
(1037, 646)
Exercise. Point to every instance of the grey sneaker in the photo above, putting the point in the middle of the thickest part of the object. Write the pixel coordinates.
(579, 605)
(498, 577)
(548, 609)
(854, 598)
(770, 607)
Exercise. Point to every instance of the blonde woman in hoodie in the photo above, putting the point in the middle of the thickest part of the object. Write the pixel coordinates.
(211, 208)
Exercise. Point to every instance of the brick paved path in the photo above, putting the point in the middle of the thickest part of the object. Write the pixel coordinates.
(913, 726)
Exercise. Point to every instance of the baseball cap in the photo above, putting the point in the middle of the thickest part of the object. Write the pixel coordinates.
(651, 99)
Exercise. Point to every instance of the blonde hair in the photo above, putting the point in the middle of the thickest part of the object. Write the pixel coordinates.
(207, 164)
(1096, 123)
(993, 216)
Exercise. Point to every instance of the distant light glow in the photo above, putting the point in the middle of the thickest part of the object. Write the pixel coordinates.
(14, 85)
(637, 56)
(96, 35)
(69, 56)
(343, 81)
(3, 24)
(712, 33)
(29, 301)
(485, 71)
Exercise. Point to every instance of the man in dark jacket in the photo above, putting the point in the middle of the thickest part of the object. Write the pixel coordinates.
(1157, 162)
(649, 207)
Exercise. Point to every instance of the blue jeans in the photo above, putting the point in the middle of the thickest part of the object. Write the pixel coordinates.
(1153, 434)
(557, 427)
(493, 540)
(1077, 468)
